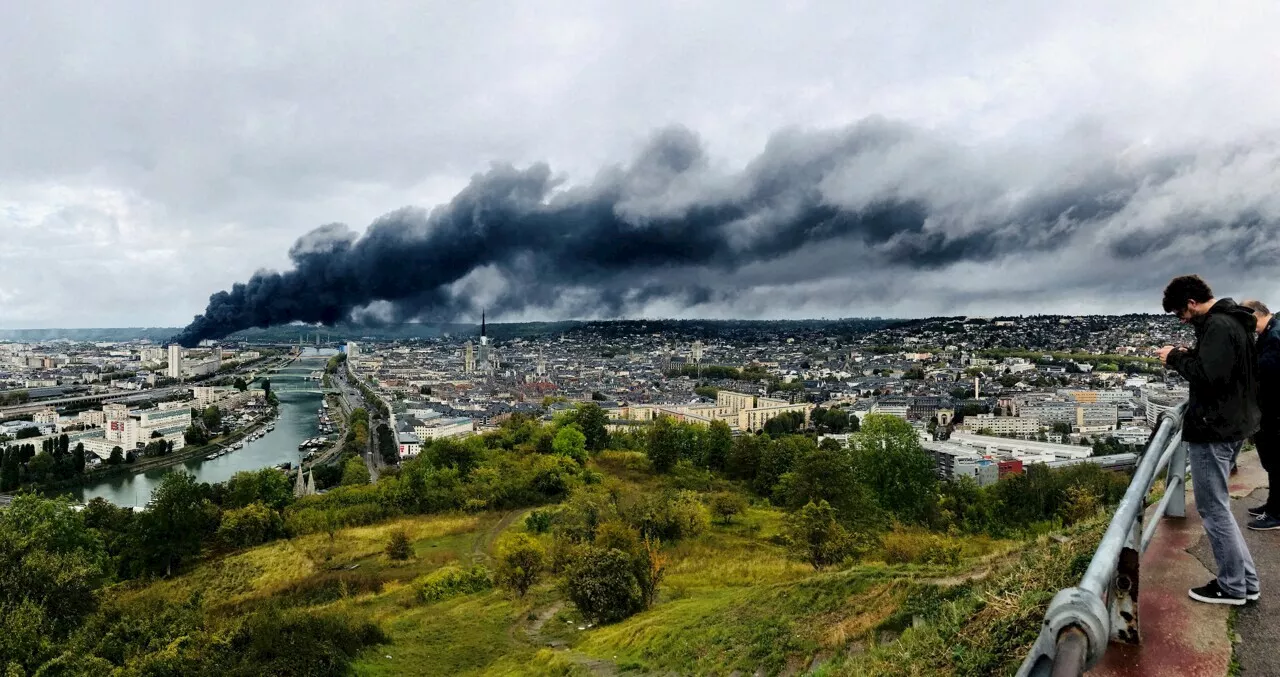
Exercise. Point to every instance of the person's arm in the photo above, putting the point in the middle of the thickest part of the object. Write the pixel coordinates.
(1212, 363)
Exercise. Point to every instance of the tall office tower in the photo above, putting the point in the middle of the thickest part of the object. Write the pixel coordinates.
(175, 361)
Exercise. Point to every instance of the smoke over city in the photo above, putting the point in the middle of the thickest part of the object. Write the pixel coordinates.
(838, 214)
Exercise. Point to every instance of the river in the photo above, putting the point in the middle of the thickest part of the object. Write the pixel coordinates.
(296, 423)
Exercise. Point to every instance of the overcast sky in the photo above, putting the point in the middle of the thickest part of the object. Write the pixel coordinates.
(152, 153)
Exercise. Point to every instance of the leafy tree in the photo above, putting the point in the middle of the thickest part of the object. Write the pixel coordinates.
(602, 585)
(520, 562)
(27, 433)
(888, 459)
(776, 459)
(833, 420)
(591, 420)
(78, 458)
(41, 467)
(726, 504)
(267, 486)
(538, 522)
(179, 518)
(827, 475)
(817, 536)
(240, 384)
(784, 424)
(664, 444)
(9, 469)
(195, 436)
(51, 567)
(116, 457)
(212, 418)
(354, 472)
(744, 458)
(717, 444)
(448, 452)
(398, 546)
(387, 448)
(570, 442)
(251, 525)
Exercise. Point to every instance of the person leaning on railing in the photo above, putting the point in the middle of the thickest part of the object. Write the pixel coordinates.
(1222, 411)
(1266, 517)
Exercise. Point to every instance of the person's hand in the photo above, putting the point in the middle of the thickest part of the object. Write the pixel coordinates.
(1164, 354)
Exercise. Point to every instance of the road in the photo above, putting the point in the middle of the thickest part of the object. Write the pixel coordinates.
(352, 398)
(127, 396)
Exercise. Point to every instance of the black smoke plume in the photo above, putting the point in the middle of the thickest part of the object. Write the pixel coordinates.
(874, 197)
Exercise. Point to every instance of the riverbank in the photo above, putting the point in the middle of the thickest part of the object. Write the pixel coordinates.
(188, 453)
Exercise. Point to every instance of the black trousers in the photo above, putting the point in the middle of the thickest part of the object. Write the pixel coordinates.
(1268, 442)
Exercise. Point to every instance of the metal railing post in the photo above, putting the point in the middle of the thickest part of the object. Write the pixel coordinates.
(1103, 607)
(1177, 468)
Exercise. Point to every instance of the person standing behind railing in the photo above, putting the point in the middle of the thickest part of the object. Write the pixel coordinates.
(1222, 412)
(1267, 440)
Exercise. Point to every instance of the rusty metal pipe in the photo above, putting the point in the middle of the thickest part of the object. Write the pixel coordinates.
(1073, 649)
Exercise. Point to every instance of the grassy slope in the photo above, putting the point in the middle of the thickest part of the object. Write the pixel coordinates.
(732, 599)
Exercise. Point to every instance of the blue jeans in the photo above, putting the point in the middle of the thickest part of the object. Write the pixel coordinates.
(1210, 467)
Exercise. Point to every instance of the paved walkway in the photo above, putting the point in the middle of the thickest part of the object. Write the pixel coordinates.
(1184, 637)
(1258, 625)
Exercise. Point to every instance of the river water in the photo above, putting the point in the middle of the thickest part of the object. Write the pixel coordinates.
(296, 423)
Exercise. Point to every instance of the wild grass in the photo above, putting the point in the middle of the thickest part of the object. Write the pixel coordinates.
(733, 599)
(298, 567)
(978, 628)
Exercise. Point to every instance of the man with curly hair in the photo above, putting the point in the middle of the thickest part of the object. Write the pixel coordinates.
(1222, 411)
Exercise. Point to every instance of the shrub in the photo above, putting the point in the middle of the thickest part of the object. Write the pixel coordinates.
(451, 581)
(602, 585)
(538, 522)
(398, 547)
(669, 516)
(295, 642)
(564, 553)
(248, 526)
(520, 562)
(816, 535)
(617, 536)
(725, 505)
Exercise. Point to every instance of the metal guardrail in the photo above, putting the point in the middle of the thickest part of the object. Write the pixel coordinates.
(1083, 620)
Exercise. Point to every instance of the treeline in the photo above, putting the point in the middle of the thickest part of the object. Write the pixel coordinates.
(720, 372)
(56, 461)
(9, 397)
(55, 561)
(884, 476)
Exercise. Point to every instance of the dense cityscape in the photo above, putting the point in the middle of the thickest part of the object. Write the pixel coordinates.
(985, 395)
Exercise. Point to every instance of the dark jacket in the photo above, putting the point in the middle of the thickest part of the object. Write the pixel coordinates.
(1222, 369)
(1268, 349)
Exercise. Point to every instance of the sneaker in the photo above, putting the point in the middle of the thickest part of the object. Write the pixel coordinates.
(1253, 596)
(1264, 522)
(1212, 594)
(1258, 510)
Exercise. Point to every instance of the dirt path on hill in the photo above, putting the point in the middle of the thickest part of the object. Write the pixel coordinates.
(484, 540)
(533, 635)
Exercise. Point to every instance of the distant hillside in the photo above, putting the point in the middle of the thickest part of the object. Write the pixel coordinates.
(155, 334)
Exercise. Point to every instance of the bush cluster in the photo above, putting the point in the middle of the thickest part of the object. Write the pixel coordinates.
(451, 581)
